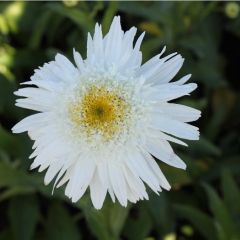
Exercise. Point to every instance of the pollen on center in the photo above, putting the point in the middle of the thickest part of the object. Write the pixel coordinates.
(100, 111)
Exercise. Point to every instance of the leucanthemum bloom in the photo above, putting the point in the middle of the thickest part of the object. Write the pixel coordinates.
(101, 123)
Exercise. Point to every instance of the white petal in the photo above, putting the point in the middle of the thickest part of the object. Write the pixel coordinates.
(156, 169)
(174, 127)
(149, 69)
(81, 178)
(78, 60)
(168, 70)
(137, 165)
(32, 121)
(55, 87)
(98, 45)
(127, 48)
(135, 184)
(65, 65)
(118, 183)
(66, 177)
(170, 91)
(90, 51)
(62, 176)
(182, 80)
(24, 103)
(150, 63)
(164, 136)
(52, 171)
(113, 42)
(179, 112)
(98, 191)
(163, 151)
(102, 168)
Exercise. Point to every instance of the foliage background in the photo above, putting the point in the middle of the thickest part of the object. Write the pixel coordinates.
(204, 202)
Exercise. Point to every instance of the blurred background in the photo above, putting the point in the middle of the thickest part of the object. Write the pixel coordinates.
(204, 202)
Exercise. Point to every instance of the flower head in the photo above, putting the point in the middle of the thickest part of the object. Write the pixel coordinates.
(100, 124)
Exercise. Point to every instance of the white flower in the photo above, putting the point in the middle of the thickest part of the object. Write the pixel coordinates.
(100, 123)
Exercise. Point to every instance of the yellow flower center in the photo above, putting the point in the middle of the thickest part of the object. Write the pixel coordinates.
(100, 111)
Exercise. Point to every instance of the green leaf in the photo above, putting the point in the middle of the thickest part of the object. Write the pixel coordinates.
(98, 224)
(7, 141)
(117, 217)
(10, 176)
(18, 190)
(156, 11)
(17, 181)
(6, 234)
(201, 221)
(60, 224)
(41, 25)
(224, 221)
(139, 223)
(109, 14)
(23, 216)
(205, 147)
(161, 212)
(176, 177)
(106, 223)
(231, 192)
(79, 17)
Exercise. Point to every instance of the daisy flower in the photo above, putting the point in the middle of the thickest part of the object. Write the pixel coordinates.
(102, 122)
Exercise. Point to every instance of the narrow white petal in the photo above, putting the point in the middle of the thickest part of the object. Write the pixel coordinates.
(153, 66)
(83, 174)
(52, 171)
(128, 48)
(156, 169)
(135, 184)
(98, 46)
(168, 70)
(170, 91)
(113, 41)
(164, 136)
(63, 175)
(137, 165)
(102, 168)
(65, 64)
(90, 51)
(118, 183)
(46, 85)
(174, 127)
(66, 177)
(179, 112)
(183, 80)
(32, 121)
(24, 103)
(163, 151)
(98, 191)
(78, 60)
